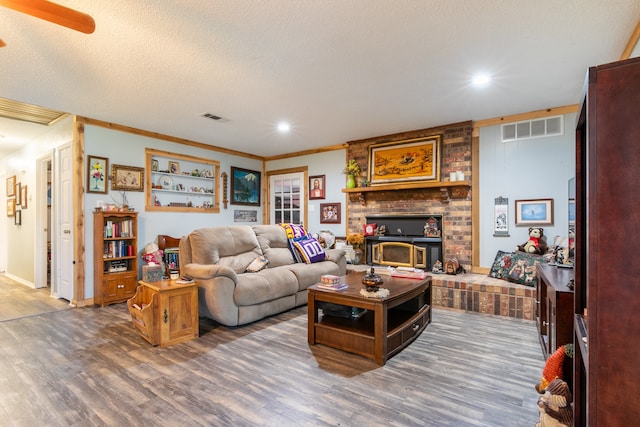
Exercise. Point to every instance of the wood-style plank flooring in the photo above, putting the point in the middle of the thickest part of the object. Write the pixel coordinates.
(88, 367)
(18, 300)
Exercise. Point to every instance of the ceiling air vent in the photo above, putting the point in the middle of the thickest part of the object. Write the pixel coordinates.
(214, 117)
(538, 128)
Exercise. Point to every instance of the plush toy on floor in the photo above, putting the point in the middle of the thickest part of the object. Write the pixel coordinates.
(555, 405)
(553, 367)
(537, 243)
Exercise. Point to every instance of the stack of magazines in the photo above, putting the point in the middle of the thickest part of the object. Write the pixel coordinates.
(331, 282)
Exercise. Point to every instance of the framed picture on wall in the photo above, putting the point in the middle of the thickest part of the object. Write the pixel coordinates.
(127, 178)
(18, 194)
(245, 187)
(23, 196)
(534, 212)
(97, 169)
(329, 213)
(11, 186)
(11, 207)
(316, 187)
(18, 218)
(411, 160)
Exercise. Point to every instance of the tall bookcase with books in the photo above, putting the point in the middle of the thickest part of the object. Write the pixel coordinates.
(115, 253)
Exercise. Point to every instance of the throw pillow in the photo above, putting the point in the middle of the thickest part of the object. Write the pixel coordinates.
(294, 231)
(517, 267)
(370, 229)
(309, 249)
(257, 264)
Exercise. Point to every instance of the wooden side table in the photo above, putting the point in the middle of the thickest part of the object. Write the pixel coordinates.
(165, 312)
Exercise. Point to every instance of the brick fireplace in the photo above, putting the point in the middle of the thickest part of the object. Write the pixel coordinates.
(451, 203)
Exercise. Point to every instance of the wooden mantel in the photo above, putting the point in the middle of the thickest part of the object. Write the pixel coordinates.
(453, 189)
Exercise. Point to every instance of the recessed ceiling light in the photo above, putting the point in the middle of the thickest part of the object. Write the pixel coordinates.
(284, 127)
(481, 80)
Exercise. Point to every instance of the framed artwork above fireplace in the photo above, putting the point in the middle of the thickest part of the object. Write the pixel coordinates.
(411, 160)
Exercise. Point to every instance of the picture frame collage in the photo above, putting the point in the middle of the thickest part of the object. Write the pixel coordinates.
(17, 199)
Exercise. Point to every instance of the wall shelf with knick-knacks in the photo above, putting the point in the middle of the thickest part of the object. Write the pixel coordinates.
(181, 183)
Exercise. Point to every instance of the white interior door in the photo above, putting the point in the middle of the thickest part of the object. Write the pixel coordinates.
(286, 193)
(63, 202)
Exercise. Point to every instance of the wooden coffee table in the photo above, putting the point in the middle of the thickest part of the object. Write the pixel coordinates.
(389, 325)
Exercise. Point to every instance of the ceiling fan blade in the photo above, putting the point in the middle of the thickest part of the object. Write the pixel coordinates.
(53, 12)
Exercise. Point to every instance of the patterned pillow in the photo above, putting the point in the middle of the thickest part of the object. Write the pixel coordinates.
(294, 231)
(517, 267)
(309, 249)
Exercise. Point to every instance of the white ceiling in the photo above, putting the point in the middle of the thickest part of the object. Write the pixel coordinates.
(337, 70)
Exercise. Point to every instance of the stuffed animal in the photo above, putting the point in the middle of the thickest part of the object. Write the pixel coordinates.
(152, 255)
(536, 244)
(555, 405)
(553, 367)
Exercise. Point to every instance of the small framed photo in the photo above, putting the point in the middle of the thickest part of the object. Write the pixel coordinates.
(534, 212)
(127, 178)
(23, 196)
(154, 165)
(97, 170)
(18, 217)
(11, 207)
(11, 186)
(174, 167)
(329, 213)
(245, 187)
(18, 194)
(316, 187)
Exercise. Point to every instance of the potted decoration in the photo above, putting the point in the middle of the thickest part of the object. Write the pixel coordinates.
(351, 170)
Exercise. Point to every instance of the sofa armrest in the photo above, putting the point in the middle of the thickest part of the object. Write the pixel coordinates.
(209, 271)
(335, 255)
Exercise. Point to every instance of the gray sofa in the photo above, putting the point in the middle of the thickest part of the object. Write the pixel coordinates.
(217, 258)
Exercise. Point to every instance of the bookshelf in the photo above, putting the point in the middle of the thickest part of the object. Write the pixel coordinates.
(181, 183)
(115, 253)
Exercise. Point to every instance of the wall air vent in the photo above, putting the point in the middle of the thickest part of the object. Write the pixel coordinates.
(538, 128)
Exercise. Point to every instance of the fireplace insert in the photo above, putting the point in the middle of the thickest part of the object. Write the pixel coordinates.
(409, 241)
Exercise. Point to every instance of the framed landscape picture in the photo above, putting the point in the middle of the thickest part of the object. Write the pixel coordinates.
(245, 187)
(534, 212)
(97, 169)
(11, 207)
(410, 160)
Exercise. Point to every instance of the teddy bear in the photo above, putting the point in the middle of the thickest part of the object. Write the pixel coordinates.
(555, 405)
(152, 255)
(536, 244)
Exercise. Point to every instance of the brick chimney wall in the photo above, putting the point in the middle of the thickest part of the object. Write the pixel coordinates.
(455, 156)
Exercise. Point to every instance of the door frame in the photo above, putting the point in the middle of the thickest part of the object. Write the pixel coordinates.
(43, 220)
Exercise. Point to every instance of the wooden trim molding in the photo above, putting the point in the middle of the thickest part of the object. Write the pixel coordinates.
(631, 44)
(107, 125)
(78, 213)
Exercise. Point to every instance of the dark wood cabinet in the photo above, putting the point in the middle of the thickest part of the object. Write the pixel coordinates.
(607, 277)
(554, 312)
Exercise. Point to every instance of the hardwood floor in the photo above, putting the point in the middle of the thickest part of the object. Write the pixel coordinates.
(88, 367)
(18, 300)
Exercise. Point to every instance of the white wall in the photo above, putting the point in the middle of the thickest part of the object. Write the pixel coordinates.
(538, 168)
(17, 250)
(330, 164)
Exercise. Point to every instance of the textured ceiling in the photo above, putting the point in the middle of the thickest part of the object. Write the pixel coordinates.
(336, 70)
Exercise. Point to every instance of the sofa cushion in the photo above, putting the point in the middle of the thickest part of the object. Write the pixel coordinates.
(266, 285)
(310, 274)
(235, 246)
(309, 249)
(274, 244)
